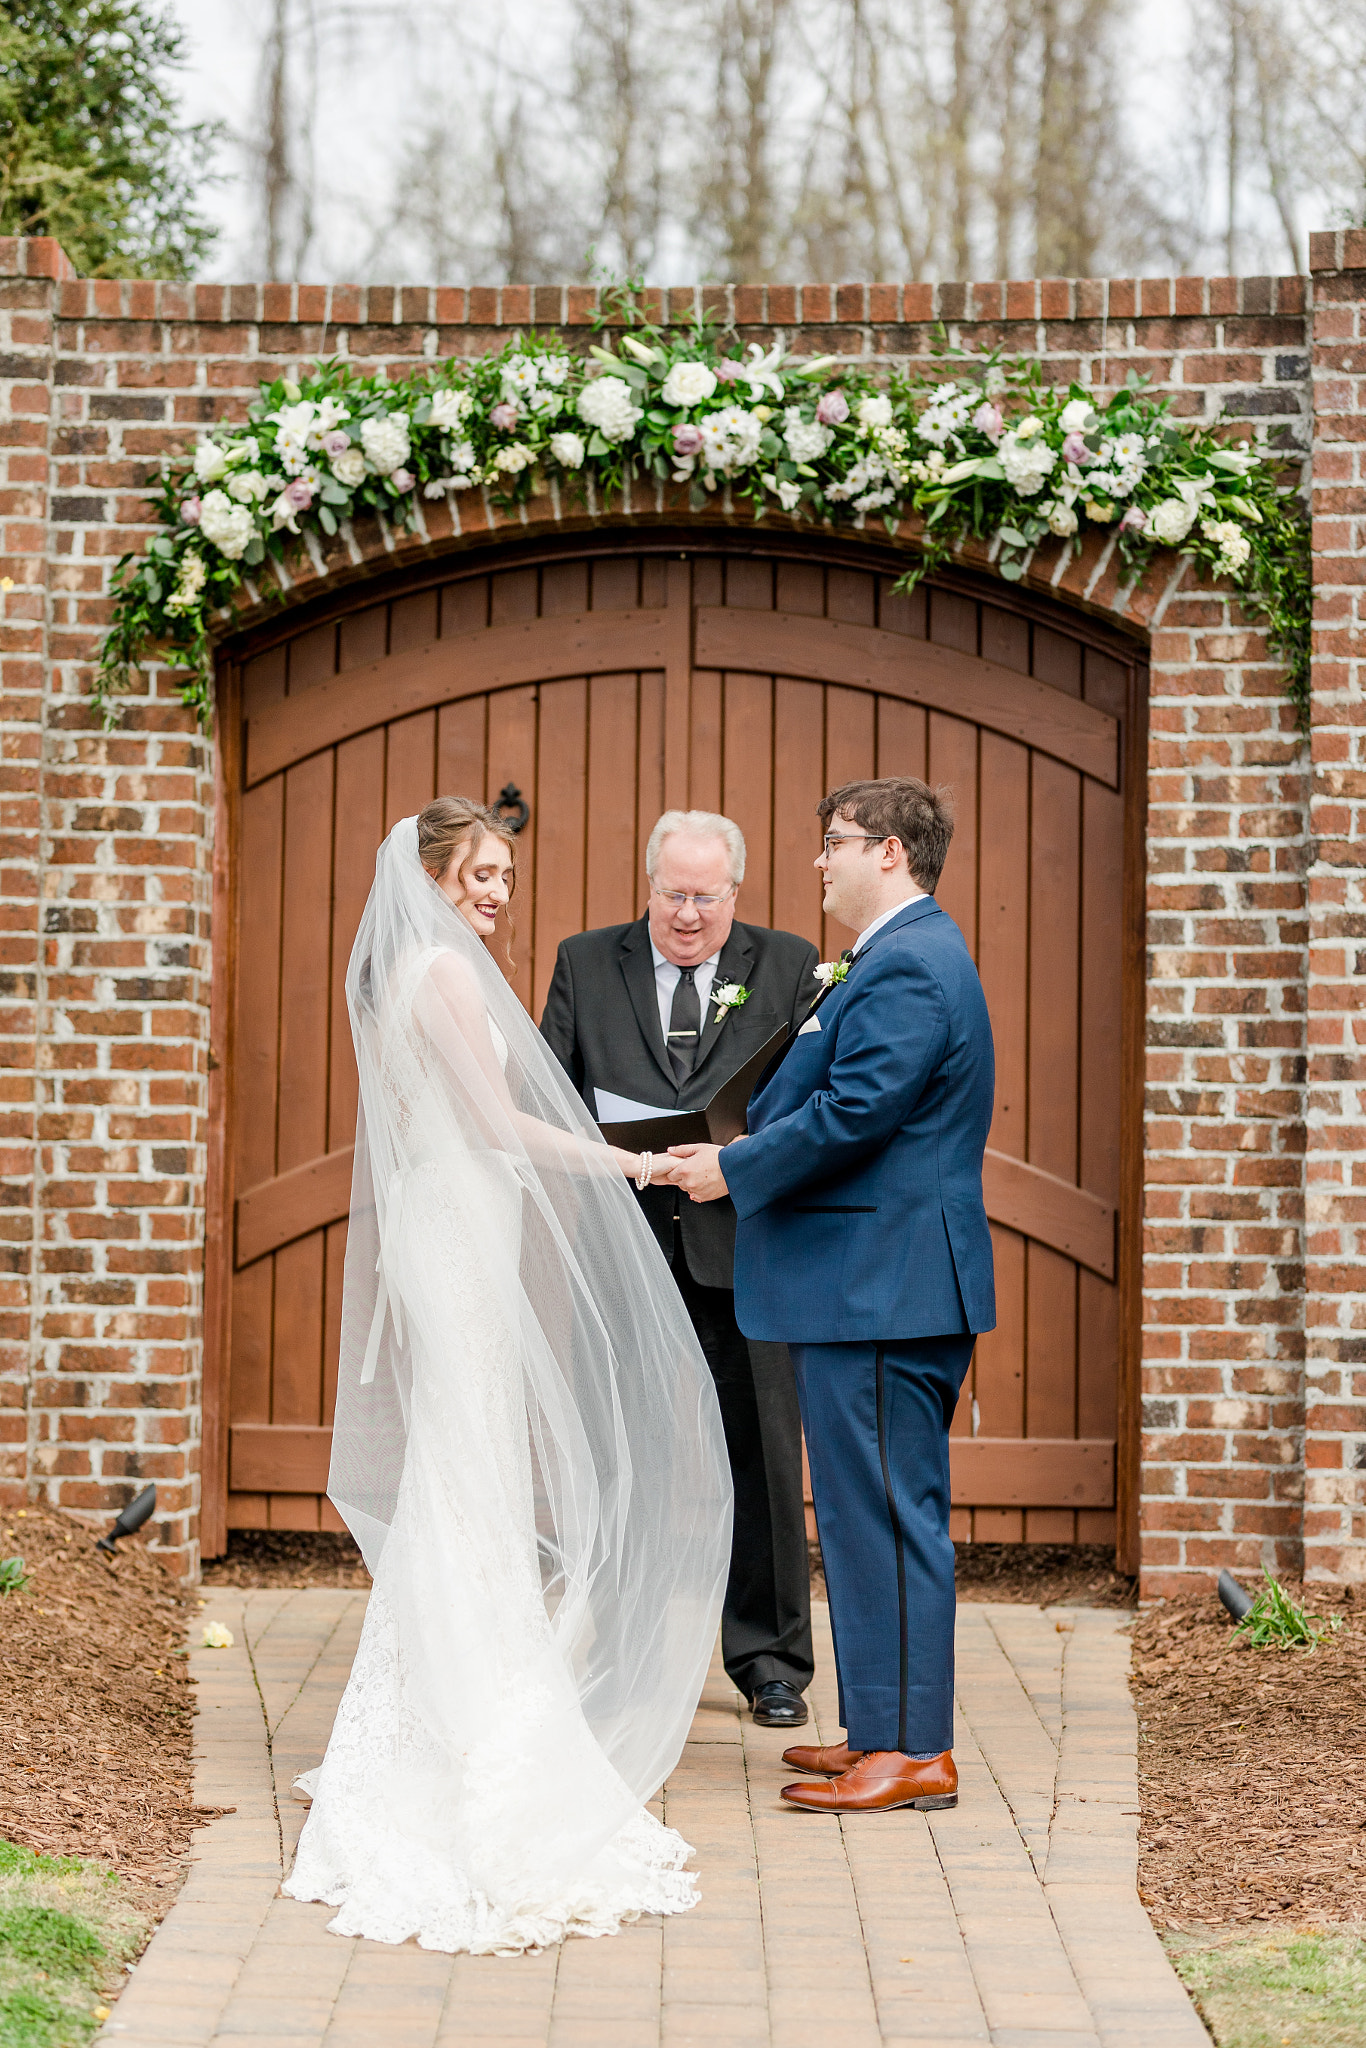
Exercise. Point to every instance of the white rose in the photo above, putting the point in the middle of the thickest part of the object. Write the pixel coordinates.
(1074, 416)
(607, 404)
(385, 441)
(449, 408)
(567, 450)
(230, 527)
(216, 1637)
(875, 412)
(248, 486)
(1171, 521)
(806, 439)
(688, 384)
(209, 462)
(1026, 463)
(349, 468)
(1062, 520)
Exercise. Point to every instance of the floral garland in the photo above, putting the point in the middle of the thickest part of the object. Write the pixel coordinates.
(993, 454)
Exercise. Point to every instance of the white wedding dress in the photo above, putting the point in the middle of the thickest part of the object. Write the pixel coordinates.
(465, 1799)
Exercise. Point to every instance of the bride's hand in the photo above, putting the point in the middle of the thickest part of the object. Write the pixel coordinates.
(632, 1165)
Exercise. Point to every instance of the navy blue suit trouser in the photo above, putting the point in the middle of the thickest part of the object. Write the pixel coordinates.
(877, 1420)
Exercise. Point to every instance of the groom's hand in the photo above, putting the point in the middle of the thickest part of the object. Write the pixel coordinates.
(697, 1170)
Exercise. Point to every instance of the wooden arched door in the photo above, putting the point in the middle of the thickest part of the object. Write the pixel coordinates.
(605, 688)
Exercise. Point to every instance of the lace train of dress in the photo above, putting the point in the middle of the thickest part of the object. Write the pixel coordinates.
(463, 1798)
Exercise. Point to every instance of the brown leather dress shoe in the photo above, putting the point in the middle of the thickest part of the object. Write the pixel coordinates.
(880, 1780)
(828, 1762)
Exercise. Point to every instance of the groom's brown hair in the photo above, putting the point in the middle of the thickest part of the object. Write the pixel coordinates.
(904, 808)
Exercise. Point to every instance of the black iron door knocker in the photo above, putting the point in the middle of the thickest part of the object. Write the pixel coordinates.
(510, 799)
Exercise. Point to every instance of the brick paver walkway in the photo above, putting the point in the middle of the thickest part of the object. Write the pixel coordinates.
(1012, 1920)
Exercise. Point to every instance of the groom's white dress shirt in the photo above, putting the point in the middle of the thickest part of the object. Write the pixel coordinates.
(878, 922)
(666, 981)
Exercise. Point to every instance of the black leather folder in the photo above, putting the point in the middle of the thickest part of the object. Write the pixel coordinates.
(722, 1120)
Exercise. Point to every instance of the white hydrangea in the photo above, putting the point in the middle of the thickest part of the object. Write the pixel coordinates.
(1026, 461)
(514, 459)
(806, 439)
(730, 439)
(385, 441)
(874, 412)
(185, 596)
(1233, 544)
(688, 384)
(607, 404)
(1171, 521)
(449, 409)
(567, 450)
(349, 468)
(229, 527)
(248, 486)
(210, 462)
(1076, 415)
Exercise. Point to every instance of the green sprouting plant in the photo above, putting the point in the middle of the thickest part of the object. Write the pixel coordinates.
(1276, 1622)
(13, 1577)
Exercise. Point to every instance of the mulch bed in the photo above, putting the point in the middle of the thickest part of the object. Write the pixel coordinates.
(95, 1705)
(1044, 1574)
(285, 1557)
(1252, 1765)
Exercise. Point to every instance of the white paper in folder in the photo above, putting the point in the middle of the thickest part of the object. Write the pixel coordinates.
(619, 1109)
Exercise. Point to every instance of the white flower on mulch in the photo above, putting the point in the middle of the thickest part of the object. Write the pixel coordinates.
(216, 1637)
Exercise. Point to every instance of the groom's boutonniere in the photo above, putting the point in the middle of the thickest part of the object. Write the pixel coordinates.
(831, 972)
(729, 996)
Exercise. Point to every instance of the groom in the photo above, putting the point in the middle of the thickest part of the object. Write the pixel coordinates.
(649, 1012)
(863, 1241)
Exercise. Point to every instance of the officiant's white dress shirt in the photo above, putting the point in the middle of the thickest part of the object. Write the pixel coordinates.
(887, 915)
(666, 981)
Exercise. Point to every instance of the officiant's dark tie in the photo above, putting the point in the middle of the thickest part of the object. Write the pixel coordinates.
(685, 1025)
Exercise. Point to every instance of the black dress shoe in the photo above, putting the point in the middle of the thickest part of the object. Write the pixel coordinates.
(779, 1705)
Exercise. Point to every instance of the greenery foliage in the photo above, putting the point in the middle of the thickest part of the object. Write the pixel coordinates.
(13, 1577)
(1306, 1986)
(1277, 1622)
(66, 1928)
(993, 454)
(91, 146)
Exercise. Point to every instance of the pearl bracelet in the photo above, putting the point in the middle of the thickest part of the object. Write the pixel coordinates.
(648, 1167)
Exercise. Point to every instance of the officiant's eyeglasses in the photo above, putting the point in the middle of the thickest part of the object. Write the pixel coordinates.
(676, 898)
(834, 839)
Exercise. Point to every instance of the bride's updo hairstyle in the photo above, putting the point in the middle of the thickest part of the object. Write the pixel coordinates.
(450, 828)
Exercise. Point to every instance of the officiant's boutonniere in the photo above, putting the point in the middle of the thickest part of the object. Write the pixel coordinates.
(729, 996)
(829, 973)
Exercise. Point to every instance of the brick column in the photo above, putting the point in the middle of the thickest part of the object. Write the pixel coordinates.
(1335, 1276)
(29, 275)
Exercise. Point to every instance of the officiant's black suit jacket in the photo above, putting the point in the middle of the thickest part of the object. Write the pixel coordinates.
(601, 1020)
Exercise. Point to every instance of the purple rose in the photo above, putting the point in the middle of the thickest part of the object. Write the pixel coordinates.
(833, 409)
(402, 479)
(336, 443)
(189, 511)
(687, 441)
(299, 494)
(1135, 519)
(729, 371)
(504, 416)
(989, 420)
(1074, 449)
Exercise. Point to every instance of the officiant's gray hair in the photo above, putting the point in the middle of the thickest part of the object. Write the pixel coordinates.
(699, 825)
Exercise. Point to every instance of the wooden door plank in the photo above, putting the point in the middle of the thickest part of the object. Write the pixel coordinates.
(851, 595)
(410, 767)
(1003, 944)
(800, 588)
(250, 1317)
(512, 758)
(263, 680)
(334, 1270)
(704, 763)
(901, 738)
(560, 836)
(747, 787)
(610, 876)
(951, 762)
(363, 637)
(462, 749)
(1102, 1091)
(312, 658)
(616, 583)
(953, 619)
(305, 982)
(798, 785)
(649, 776)
(464, 607)
(358, 827)
(850, 756)
(258, 981)
(275, 1212)
(1042, 1472)
(678, 686)
(940, 677)
(297, 1365)
(1070, 1219)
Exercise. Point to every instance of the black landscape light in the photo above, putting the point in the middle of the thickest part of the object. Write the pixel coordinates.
(131, 1518)
(1236, 1598)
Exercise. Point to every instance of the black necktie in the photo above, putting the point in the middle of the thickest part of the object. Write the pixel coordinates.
(685, 1025)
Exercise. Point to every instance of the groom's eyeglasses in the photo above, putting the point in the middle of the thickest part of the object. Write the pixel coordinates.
(676, 898)
(834, 839)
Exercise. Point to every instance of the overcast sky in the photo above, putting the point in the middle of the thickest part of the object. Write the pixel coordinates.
(375, 70)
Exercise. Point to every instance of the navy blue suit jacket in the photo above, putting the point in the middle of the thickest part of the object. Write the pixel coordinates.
(859, 1188)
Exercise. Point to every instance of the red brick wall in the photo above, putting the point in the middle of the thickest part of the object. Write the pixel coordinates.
(104, 1351)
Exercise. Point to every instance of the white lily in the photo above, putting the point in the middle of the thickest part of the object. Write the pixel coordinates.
(761, 372)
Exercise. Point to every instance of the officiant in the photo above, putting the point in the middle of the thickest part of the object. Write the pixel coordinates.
(657, 1015)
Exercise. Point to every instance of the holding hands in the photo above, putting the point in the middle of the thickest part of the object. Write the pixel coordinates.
(694, 1168)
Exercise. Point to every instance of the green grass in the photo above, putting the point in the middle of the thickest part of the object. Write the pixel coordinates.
(1277, 1622)
(66, 1928)
(1295, 1988)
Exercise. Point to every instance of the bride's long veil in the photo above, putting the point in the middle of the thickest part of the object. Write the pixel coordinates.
(630, 1486)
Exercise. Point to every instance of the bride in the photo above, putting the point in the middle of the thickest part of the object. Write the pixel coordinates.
(527, 1448)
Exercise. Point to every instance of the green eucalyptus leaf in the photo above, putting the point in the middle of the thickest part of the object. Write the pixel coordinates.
(1011, 567)
(327, 519)
(1013, 536)
(255, 551)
